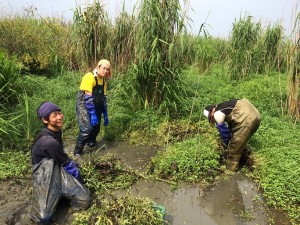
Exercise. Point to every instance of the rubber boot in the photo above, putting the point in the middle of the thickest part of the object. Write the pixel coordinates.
(91, 144)
(78, 150)
(233, 165)
(245, 157)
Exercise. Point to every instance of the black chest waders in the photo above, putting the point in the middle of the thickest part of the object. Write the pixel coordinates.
(98, 93)
(88, 133)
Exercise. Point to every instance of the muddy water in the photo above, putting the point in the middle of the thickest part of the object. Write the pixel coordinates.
(233, 200)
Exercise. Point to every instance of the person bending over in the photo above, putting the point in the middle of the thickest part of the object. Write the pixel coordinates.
(236, 120)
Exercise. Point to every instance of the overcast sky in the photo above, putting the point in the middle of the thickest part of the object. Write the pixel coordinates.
(219, 15)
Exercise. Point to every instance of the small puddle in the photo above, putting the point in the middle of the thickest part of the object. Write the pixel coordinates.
(232, 201)
(235, 201)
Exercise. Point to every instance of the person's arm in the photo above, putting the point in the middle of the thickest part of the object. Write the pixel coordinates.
(55, 151)
(225, 133)
(90, 106)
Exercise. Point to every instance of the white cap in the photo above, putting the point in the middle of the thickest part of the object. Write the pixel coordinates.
(206, 113)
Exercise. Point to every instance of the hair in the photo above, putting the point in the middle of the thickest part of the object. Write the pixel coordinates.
(103, 61)
(209, 108)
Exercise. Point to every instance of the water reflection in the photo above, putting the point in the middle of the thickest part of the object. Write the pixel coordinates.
(235, 200)
(232, 201)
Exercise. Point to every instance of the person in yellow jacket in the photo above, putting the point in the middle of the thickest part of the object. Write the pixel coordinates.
(91, 103)
(236, 120)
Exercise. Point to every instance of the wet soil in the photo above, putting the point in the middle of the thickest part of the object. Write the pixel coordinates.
(232, 200)
(14, 200)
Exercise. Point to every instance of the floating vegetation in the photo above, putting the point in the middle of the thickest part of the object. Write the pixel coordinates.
(103, 173)
(109, 209)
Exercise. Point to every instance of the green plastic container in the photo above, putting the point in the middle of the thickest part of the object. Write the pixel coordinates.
(161, 209)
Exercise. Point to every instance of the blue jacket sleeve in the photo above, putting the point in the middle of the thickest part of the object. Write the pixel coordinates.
(90, 106)
(89, 103)
(225, 133)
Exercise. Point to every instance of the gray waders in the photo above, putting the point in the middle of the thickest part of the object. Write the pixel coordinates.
(51, 183)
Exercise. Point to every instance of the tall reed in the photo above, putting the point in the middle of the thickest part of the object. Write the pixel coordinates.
(92, 31)
(270, 47)
(210, 51)
(294, 72)
(9, 73)
(123, 42)
(245, 35)
(8, 129)
(158, 60)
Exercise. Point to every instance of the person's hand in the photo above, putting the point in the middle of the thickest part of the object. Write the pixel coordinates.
(105, 116)
(90, 106)
(225, 133)
(72, 169)
(94, 119)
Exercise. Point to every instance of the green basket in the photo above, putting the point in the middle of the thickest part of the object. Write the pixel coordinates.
(160, 208)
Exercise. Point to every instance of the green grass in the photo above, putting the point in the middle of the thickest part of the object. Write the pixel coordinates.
(278, 159)
(192, 160)
(191, 146)
(14, 164)
(111, 209)
(157, 59)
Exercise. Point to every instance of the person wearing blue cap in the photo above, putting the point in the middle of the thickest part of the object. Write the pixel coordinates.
(91, 104)
(54, 175)
(236, 120)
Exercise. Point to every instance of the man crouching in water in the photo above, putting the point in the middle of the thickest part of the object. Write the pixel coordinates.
(54, 174)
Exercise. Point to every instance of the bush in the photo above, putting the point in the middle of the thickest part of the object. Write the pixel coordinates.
(9, 74)
(42, 45)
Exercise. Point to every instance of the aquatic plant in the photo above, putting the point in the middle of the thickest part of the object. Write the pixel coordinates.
(193, 160)
(111, 209)
(105, 173)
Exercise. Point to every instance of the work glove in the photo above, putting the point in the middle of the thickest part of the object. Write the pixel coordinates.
(72, 169)
(94, 118)
(225, 133)
(105, 123)
(90, 106)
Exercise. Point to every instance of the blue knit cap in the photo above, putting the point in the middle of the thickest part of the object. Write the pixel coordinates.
(46, 109)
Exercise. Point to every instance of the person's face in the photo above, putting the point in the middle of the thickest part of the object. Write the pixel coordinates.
(104, 70)
(55, 121)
